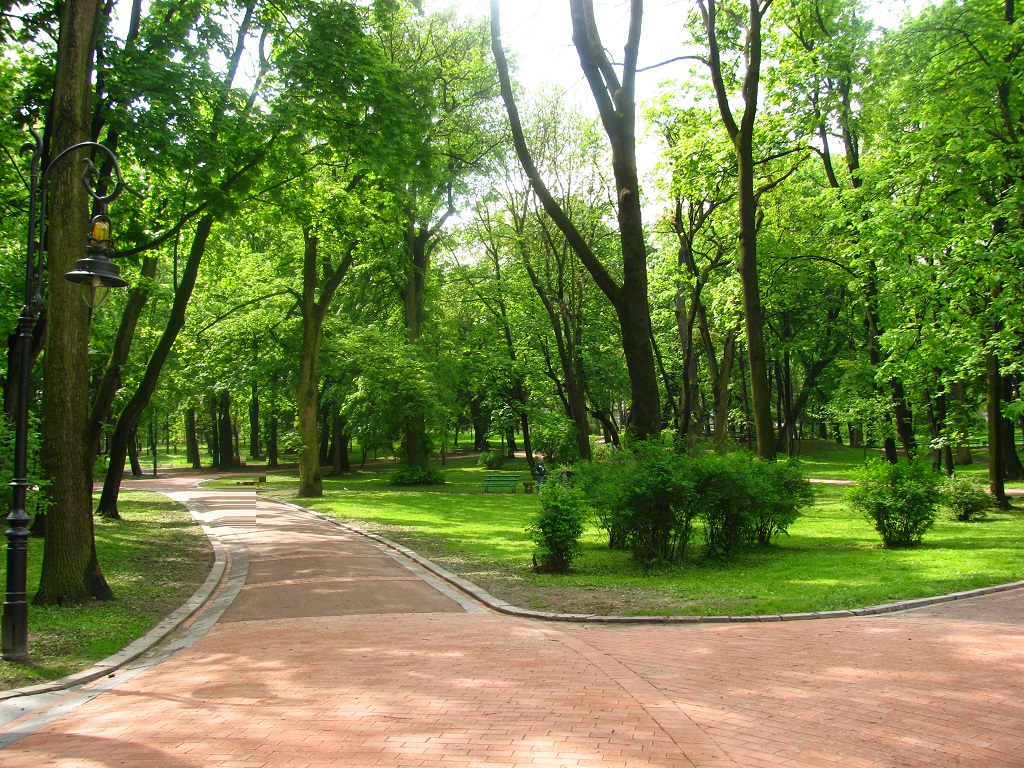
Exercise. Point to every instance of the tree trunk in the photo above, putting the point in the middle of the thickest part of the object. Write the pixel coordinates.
(211, 433)
(1013, 468)
(133, 459)
(272, 444)
(963, 450)
(255, 450)
(310, 481)
(138, 402)
(225, 436)
(616, 104)
(70, 570)
(996, 465)
(111, 380)
(191, 442)
(339, 447)
(722, 393)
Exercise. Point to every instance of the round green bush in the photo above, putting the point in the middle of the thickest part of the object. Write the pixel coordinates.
(557, 528)
(901, 499)
(966, 498)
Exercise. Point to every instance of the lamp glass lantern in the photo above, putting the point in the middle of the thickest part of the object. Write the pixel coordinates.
(95, 272)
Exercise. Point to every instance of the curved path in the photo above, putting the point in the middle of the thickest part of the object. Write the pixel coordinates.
(321, 648)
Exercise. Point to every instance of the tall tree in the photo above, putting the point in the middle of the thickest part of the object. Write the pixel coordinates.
(71, 571)
(616, 102)
(741, 131)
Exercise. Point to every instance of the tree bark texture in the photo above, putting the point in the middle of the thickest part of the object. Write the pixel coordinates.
(191, 440)
(225, 441)
(70, 569)
(310, 481)
(313, 309)
(993, 413)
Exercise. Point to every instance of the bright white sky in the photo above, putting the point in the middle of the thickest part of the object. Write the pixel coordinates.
(539, 34)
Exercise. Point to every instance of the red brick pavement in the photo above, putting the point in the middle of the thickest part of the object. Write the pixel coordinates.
(334, 655)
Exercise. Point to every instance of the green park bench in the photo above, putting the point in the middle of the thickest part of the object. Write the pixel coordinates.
(500, 481)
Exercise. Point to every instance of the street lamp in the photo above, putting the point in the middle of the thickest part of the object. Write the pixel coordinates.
(96, 273)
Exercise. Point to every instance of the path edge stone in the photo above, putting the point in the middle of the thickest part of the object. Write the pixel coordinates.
(218, 575)
(501, 606)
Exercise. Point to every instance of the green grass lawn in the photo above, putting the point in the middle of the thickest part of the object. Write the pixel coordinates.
(827, 460)
(153, 560)
(832, 559)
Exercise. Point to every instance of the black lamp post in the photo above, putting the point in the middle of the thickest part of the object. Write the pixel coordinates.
(96, 273)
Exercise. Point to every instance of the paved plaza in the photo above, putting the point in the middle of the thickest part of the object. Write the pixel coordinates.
(321, 647)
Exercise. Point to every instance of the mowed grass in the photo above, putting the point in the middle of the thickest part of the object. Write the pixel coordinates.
(832, 559)
(153, 560)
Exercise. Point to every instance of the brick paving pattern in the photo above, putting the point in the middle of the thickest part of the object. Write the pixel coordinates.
(334, 654)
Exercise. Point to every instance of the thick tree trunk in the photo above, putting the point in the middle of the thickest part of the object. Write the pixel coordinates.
(191, 441)
(225, 435)
(310, 481)
(993, 412)
(415, 443)
(1013, 467)
(70, 569)
(272, 444)
(138, 402)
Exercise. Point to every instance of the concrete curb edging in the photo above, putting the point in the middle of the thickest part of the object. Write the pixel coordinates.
(501, 606)
(138, 647)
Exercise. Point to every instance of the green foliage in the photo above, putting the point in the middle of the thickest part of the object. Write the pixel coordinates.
(555, 438)
(35, 502)
(491, 460)
(966, 498)
(782, 491)
(409, 475)
(557, 528)
(900, 499)
(745, 502)
(648, 498)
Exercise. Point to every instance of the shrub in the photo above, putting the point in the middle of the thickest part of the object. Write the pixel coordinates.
(780, 491)
(726, 501)
(408, 475)
(491, 460)
(557, 528)
(648, 498)
(644, 497)
(901, 499)
(966, 498)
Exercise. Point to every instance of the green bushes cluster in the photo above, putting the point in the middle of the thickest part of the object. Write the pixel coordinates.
(966, 499)
(900, 499)
(650, 498)
(409, 475)
(557, 528)
(491, 460)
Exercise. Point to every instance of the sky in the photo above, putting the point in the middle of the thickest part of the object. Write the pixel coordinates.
(538, 33)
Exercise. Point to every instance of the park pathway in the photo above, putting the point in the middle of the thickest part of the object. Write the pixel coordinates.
(323, 648)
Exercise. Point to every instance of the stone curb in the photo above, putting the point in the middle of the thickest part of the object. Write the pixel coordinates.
(501, 606)
(157, 634)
